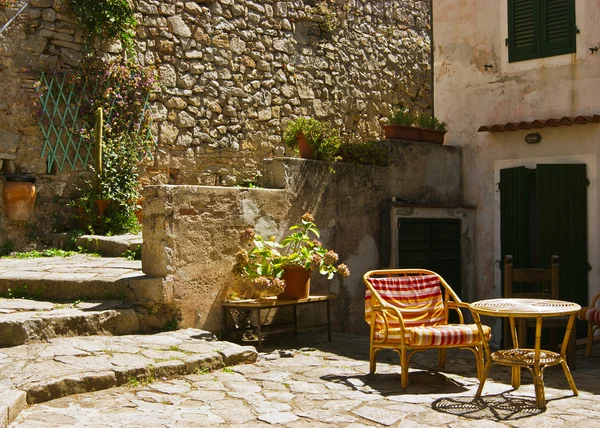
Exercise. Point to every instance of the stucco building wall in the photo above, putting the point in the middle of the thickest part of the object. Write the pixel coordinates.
(470, 35)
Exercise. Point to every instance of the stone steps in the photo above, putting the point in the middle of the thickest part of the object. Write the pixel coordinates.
(79, 277)
(25, 321)
(109, 246)
(39, 372)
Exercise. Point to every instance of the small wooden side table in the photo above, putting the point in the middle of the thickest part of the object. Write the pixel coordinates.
(257, 305)
(535, 360)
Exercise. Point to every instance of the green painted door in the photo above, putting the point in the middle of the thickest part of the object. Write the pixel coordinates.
(544, 213)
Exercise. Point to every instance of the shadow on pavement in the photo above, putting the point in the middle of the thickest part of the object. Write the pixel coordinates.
(499, 407)
(388, 384)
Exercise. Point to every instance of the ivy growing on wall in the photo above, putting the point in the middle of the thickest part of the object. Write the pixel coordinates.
(105, 19)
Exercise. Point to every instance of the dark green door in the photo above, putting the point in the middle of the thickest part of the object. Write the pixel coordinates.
(562, 222)
(431, 243)
(543, 213)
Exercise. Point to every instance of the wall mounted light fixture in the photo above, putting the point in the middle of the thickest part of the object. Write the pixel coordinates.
(533, 138)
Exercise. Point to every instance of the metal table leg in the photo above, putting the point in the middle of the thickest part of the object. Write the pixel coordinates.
(328, 320)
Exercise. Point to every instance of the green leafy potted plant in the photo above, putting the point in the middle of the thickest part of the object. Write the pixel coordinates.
(314, 139)
(404, 125)
(269, 268)
(432, 129)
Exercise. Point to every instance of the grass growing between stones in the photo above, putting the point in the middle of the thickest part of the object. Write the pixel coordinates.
(134, 382)
(34, 254)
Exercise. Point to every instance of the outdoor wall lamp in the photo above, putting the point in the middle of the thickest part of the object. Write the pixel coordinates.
(533, 138)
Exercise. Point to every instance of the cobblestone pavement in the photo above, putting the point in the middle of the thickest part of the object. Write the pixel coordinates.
(310, 382)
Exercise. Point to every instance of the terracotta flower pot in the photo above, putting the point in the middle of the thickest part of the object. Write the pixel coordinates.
(432, 136)
(306, 150)
(101, 205)
(19, 197)
(401, 132)
(297, 283)
(412, 133)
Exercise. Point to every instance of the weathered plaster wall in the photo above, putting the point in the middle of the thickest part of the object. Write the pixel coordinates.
(234, 72)
(469, 35)
(192, 232)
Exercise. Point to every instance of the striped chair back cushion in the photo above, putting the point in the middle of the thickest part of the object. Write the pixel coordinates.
(419, 299)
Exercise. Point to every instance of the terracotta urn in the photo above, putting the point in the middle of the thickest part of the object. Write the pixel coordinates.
(19, 197)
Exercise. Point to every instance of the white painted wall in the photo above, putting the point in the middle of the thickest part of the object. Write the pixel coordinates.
(467, 35)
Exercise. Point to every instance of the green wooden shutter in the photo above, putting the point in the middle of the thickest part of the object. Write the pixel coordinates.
(524, 29)
(432, 244)
(562, 221)
(558, 27)
(514, 215)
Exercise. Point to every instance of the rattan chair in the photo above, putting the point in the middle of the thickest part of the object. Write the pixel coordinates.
(591, 314)
(407, 310)
(536, 284)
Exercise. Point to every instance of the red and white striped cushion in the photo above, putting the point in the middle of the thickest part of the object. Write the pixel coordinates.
(590, 314)
(441, 335)
(419, 299)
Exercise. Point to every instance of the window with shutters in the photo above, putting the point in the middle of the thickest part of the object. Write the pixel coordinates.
(540, 28)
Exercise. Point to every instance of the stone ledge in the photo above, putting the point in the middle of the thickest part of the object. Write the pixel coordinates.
(12, 402)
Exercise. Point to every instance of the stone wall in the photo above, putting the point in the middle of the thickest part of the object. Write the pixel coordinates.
(233, 72)
(191, 233)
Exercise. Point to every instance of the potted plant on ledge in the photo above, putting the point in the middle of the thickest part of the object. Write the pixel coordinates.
(313, 139)
(404, 125)
(283, 269)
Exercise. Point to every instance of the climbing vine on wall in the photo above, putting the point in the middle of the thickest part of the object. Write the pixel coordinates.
(105, 19)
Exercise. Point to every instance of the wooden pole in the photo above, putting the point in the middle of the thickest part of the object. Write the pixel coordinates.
(98, 131)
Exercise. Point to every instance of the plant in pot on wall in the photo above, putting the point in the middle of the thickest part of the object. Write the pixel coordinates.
(404, 125)
(313, 139)
(283, 269)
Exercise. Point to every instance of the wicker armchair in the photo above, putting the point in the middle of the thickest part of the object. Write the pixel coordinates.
(591, 314)
(408, 312)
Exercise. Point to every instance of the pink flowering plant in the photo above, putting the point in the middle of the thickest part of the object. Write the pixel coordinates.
(259, 267)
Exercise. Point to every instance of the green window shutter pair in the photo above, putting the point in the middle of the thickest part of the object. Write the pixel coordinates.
(540, 28)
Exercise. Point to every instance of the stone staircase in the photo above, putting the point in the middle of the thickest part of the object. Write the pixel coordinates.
(71, 325)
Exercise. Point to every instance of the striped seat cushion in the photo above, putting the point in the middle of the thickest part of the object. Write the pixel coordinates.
(419, 299)
(590, 314)
(440, 335)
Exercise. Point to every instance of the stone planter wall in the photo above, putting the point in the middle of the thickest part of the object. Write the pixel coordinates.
(233, 73)
(191, 234)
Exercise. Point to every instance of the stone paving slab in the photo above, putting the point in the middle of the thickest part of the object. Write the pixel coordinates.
(74, 365)
(319, 384)
(24, 321)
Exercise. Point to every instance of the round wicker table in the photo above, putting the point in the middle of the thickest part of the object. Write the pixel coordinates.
(535, 360)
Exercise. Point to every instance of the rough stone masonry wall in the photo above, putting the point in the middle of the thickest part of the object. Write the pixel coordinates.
(234, 72)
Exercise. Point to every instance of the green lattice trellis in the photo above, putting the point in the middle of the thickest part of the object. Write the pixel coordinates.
(62, 117)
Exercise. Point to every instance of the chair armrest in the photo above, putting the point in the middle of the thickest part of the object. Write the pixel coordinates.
(595, 300)
(382, 310)
(457, 306)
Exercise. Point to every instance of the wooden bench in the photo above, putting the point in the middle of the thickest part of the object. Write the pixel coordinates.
(255, 306)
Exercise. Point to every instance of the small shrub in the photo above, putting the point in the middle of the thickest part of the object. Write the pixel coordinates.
(402, 116)
(430, 122)
(372, 153)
